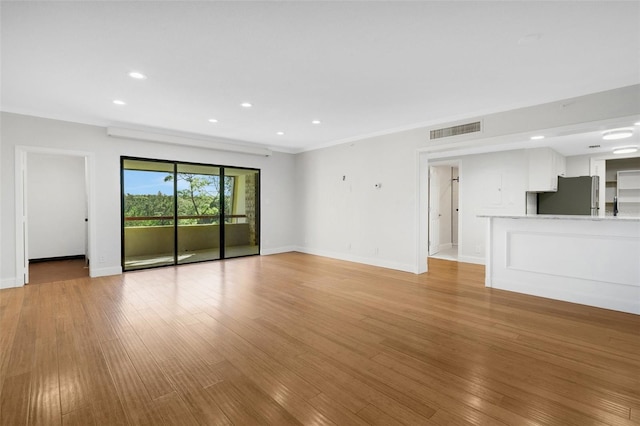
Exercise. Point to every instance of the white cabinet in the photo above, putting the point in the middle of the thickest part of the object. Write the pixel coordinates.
(545, 165)
(629, 193)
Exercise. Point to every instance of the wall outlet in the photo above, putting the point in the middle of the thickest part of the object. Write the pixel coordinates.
(101, 259)
(478, 248)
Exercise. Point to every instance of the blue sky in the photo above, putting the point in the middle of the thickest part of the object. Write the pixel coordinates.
(139, 182)
(143, 182)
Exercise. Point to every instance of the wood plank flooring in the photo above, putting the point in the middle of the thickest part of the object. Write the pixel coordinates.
(298, 339)
(57, 270)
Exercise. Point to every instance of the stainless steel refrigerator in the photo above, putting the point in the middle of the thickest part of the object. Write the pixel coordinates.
(575, 196)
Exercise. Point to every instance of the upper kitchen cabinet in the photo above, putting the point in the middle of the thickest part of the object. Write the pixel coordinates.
(545, 165)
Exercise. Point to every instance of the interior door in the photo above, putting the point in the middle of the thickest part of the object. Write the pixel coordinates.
(434, 211)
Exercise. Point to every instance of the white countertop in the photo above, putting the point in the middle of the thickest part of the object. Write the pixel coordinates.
(564, 217)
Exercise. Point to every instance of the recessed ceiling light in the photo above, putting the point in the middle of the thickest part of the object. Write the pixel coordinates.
(279, 133)
(637, 123)
(213, 120)
(119, 102)
(137, 75)
(538, 137)
(246, 105)
(315, 122)
(625, 149)
(612, 135)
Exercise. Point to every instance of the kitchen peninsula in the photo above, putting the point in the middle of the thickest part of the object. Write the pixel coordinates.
(591, 260)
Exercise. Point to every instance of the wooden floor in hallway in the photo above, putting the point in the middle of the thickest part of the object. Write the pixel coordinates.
(299, 339)
(57, 270)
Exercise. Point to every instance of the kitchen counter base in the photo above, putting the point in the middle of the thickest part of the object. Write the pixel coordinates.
(591, 262)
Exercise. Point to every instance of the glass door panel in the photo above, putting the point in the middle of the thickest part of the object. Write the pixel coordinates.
(148, 218)
(241, 212)
(198, 192)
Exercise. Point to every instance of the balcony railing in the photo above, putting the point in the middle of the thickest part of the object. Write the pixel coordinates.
(212, 217)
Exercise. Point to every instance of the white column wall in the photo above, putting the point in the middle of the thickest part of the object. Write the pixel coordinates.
(494, 183)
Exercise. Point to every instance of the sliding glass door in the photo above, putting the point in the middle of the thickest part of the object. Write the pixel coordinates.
(198, 193)
(148, 214)
(175, 213)
(240, 214)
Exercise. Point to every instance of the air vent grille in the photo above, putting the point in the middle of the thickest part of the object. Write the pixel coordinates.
(460, 129)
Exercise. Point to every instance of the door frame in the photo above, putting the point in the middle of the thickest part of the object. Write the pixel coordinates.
(22, 224)
(425, 183)
(434, 207)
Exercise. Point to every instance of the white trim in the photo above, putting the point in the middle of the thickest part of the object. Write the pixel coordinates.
(471, 259)
(277, 250)
(488, 271)
(200, 142)
(361, 259)
(104, 272)
(9, 283)
(422, 213)
(20, 215)
(21, 156)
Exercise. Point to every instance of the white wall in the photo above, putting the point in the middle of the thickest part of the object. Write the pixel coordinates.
(277, 184)
(57, 203)
(306, 204)
(352, 220)
(494, 183)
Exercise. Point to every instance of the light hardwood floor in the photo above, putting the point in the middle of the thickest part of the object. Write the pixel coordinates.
(300, 339)
(57, 270)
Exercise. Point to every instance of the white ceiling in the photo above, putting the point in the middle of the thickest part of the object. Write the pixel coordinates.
(362, 68)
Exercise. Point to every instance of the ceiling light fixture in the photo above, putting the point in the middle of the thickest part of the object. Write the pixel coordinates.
(279, 133)
(625, 149)
(119, 102)
(212, 120)
(612, 135)
(637, 123)
(315, 122)
(537, 137)
(246, 105)
(137, 75)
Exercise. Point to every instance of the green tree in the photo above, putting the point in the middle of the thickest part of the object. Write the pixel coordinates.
(148, 205)
(201, 197)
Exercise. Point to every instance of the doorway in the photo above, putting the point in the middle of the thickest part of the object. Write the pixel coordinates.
(444, 182)
(54, 205)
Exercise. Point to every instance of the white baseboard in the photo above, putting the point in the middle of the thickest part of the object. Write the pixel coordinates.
(618, 297)
(277, 250)
(104, 272)
(382, 263)
(9, 283)
(471, 259)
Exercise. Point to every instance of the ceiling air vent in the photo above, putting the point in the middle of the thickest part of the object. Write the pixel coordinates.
(460, 129)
